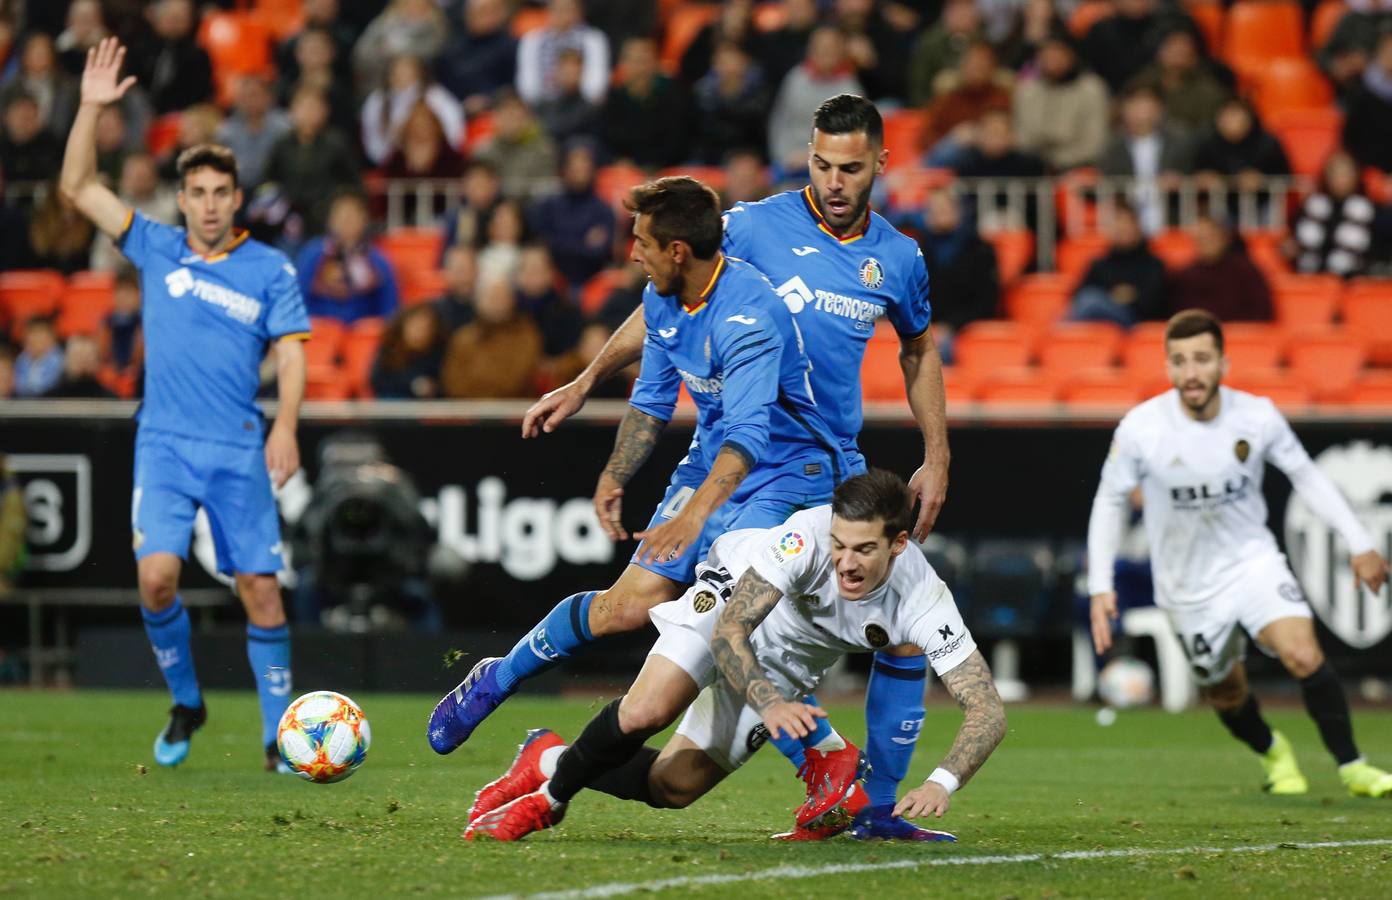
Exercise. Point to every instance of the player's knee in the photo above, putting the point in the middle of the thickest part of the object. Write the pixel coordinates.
(639, 714)
(1303, 660)
(157, 589)
(616, 611)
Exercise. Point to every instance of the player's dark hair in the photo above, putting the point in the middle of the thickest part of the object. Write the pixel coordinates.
(848, 114)
(1192, 323)
(878, 494)
(207, 156)
(680, 208)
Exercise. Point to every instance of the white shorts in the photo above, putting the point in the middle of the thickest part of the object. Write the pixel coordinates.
(685, 627)
(1208, 631)
(724, 726)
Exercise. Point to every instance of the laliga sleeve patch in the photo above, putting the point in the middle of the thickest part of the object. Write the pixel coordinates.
(790, 545)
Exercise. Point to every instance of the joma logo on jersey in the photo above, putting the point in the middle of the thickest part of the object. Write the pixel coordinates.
(698, 385)
(1193, 494)
(238, 306)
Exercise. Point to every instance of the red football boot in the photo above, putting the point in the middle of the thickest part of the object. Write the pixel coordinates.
(833, 822)
(514, 821)
(829, 778)
(522, 777)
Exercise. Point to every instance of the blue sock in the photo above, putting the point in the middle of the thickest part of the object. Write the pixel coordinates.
(564, 630)
(893, 717)
(168, 631)
(796, 748)
(268, 651)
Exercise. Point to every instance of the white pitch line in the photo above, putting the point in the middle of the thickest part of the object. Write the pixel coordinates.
(617, 889)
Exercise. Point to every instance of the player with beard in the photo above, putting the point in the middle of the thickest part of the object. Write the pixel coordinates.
(1198, 453)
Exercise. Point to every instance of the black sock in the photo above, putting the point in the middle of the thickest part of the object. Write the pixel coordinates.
(1247, 725)
(1325, 700)
(630, 780)
(600, 747)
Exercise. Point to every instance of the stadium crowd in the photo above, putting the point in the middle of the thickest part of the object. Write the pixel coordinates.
(516, 128)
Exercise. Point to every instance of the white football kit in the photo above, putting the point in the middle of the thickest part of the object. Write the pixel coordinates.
(806, 633)
(1214, 561)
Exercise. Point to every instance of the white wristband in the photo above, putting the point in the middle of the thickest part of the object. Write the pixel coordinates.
(945, 778)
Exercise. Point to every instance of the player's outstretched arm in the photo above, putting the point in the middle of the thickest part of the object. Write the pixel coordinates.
(749, 604)
(282, 447)
(638, 434)
(923, 382)
(623, 348)
(671, 538)
(101, 84)
(983, 728)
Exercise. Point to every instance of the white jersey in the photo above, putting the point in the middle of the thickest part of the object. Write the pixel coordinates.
(813, 626)
(1205, 515)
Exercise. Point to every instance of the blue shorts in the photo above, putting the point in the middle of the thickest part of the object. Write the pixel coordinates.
(175, 475)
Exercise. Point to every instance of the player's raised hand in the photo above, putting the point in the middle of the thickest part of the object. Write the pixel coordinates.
(929, 487)
(101, 79)
(282, 454)
(552, 409)
(928, 797)
(670, 539)
(608, 504)
(1103, 614)
(1369, 568)
(791, 718)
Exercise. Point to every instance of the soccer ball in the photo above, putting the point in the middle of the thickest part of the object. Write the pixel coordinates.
(323, 737)
(1125, 682)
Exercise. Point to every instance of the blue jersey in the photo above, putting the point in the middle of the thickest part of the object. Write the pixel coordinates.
(207, 322)
(742, 361)
(835, 287)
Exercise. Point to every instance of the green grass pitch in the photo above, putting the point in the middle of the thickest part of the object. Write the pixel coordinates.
(1076, 810)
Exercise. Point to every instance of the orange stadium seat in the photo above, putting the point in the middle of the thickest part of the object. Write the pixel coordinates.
(1367, 312)
(1018, 387)
(1075, 253)
(1305, 300)
(1087, 14)
(422, 286)
(960, 387)
(1283, 389)
(1259, 31)
(1285, 84)
(1106, 388)
(1175, 247)
(1308, 136)
(1038, 300)
(983, 347)
(25, 293)
(326, 383)
(411, 249)
(909, 186)
(528, 18)
(1329, 362)
(1070, 347)
(1325, 18)
(1264, 248)
(325, 341)
(903, 136)
(612, 183)
(1253, 346)
(881, 378)
(282, 18)
(685, 23)
(162, 134)
(1209, 16)
(597, 290)
(85, 305)
(1143, 353)
(1373, 389)
(1014, 252)
(359, 353)
(238, 44)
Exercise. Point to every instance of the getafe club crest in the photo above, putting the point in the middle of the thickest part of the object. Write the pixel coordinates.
(871, 273)
(1243, 450)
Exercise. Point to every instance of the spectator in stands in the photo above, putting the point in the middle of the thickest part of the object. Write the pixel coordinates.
(506, 231)
(1125, 42)
(139, 188)
(1236, 155)
(977, 87)
(876, 49)
(735, 25)
(1186, 82)
(12, 221)
(1125, 285)
(539, 295)
(39, 366)
(27, 151)
(456, 307)
(323, 17)
(81, 362)
(467, 224)
(253, 129)
(423, 152)
(316, 57)
(481, 57)
(1223, 280)
(647, 116)
(994, 154)
(732, 104)
(940, 48)
(1368, 123)
(405, 28)
(198, 124)
(496, 355)
(409, 358)
(569, 115)
(619, 20)
(746, 177)
(785, 47)
(1061, 113)
(826, 73)
(85, 27)
(172, 68)
(538, 51)
(964, 273)
(60, 237)
(342, 276)
(384, 113)
(312, 161)
(1151, 151)
(575, 224)
(1038, 20)
(52, 88)
(593, 336)
(1353, 43)
(8, 61)
(122, 345)
(113, 143)
(7, 371)
(519, 150)
(1333, 231)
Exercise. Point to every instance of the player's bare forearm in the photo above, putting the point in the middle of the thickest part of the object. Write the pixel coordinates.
(750, 603)
(290, 381)
(923, 383)
(730, 468)
(638, 434)
(78, 181)
(624, 348)
(983, 716)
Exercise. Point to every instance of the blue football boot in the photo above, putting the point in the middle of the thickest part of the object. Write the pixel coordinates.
(462, 710)
(172, 745)
(879, 823)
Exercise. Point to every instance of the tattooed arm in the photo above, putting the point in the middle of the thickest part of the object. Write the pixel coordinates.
(638, 434)
(671, 538)
(753, 599)
(983, 727)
